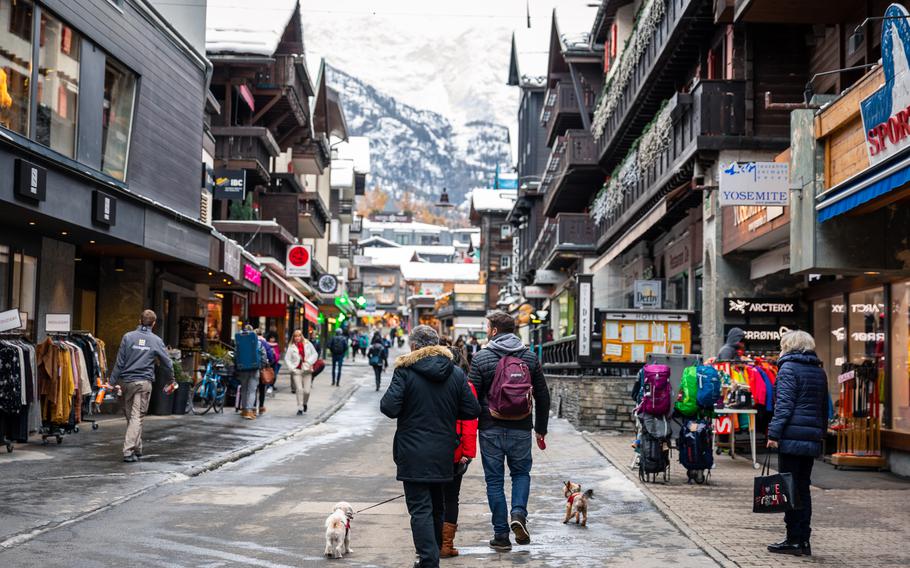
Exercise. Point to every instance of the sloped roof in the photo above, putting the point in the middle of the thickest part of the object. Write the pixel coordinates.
(493, 200)
(440, 272)
(246, 27)
(356, 148)
(379, 242)
(573, 20)
(390, 256)
(414, 226)
(528, 64)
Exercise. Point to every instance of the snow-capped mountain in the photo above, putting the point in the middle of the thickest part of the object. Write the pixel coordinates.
(419, 150)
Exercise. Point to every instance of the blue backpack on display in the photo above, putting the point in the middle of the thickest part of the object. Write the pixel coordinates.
(708, 386)
(246, 352)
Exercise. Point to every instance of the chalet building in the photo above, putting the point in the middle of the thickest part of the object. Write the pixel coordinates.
(489, 209)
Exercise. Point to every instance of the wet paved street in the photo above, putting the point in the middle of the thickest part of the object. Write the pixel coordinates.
(268, 509)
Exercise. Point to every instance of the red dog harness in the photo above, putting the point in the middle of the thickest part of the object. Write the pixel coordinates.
(572, 498)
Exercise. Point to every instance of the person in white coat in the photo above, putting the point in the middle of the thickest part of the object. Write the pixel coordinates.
(300, 356)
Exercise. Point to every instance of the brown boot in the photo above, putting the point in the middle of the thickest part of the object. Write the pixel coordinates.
(248, 415)
(448, 549)
(261, 410)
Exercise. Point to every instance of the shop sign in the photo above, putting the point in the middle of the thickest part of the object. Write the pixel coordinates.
(584, 317)
(761, 333)
(363, 260)
(754, 183)
(647, 294)
(548, 277)
(391, 217)
(771, 262)
(30, 180)
(57, 322)
(104, 209)
(760, 307)
(886, 112)
(299, 261)
(230, 264)
(677, 257)
(643, 316)
(536, 292)
(251, 274)
(230, 184)
(311, 312)
(10, 320)
(327, 284)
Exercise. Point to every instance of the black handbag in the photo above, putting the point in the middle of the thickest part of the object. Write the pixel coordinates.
(774, 493)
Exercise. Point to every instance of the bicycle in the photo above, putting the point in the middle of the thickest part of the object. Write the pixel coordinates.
(209, 393)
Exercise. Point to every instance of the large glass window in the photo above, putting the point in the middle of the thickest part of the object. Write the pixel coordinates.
(119, 93)
(867, 327)
(15, 64)
(830, 336)
(900, 357)
(58, 85)
(18, 283)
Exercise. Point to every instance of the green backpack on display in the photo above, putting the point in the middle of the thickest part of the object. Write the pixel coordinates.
(687, 399)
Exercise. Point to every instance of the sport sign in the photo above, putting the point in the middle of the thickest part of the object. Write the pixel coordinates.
(754, 183)
(299, 261)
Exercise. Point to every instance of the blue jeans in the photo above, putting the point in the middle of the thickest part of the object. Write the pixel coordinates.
(336, 364)
(499, 446)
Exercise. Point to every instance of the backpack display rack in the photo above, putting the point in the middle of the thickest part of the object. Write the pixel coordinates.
(859, 428)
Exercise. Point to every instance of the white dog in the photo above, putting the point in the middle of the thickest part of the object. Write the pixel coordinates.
(338, 531)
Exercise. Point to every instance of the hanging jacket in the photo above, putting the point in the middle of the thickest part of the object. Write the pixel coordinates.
(801, 406)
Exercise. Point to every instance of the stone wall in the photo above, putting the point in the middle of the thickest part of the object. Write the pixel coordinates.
(593, 402)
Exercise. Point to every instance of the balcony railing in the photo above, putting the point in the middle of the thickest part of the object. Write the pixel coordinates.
(560, 352)
(286, 75)
(574, 174)
(562, 110)
(341, 250)
(246, 147)
(653, 76)
(565, 238)
(342, 207)
(712, 117)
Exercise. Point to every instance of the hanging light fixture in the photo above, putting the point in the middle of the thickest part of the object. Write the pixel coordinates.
(119, 265)
(444, 199)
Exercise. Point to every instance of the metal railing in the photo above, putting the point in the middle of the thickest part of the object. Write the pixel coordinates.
(570, 233)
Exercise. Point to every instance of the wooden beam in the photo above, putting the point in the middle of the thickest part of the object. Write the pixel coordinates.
(266, 108)
(273, 126)
(290, 135)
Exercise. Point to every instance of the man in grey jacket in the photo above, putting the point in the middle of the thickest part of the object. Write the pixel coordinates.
(133, 374)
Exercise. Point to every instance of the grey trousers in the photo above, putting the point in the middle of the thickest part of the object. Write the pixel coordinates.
(136, 397)
(303, 384)
(249, 383)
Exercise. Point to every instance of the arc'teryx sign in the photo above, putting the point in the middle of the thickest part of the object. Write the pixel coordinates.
(886, 112)
(760, 307)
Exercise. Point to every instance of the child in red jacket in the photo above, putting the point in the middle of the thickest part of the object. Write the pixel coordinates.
(464, 453)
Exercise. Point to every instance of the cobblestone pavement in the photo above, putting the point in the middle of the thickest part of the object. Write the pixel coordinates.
(850, 527)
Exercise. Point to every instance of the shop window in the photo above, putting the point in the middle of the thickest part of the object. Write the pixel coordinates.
(18, 284)
(117, 120)
(677, 296)
(58, 85)
(900, 356)
(505, 231)
(16, 64)
(505, 262)
(866, 317)
(830, 337)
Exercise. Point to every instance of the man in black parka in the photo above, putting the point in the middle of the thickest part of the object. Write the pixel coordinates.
(427, 395)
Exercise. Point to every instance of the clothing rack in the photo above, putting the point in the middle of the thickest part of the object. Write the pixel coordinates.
(859, 431)
(16, 335)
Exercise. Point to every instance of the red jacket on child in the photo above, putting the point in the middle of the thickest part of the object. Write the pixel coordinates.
(467, 432)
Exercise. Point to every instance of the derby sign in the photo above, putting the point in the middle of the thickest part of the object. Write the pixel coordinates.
(886, 112)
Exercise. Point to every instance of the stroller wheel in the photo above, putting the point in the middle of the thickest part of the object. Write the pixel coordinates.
(700, 477)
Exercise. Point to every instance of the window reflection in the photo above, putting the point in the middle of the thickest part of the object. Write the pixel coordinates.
(15, 64)
(119, 92)
(58, 86)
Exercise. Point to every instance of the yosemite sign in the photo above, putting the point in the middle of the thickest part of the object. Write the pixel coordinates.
(886, 112)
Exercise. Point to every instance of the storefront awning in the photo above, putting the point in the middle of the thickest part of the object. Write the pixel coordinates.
(863, 188)
(272, 298)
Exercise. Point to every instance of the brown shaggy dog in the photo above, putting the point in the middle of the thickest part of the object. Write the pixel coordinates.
(577, 503)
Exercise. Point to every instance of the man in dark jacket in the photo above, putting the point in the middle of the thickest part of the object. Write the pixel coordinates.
(730, 350)
(428, 394)
(338, 347)
(508, 440)
(797, 428)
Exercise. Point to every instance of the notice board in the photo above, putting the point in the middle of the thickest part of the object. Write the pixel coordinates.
(629, 337)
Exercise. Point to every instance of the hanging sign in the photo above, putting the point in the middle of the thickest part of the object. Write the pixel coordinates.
(299, 261)
(104, 209)
(327, 284)
(10, 320)
(886, 112)
(30, 180)
(230, 184)
(57, 322)
(584, 316)
(230, 263)
(760, 307)
(754, 183)
(251, 274)
(647, 294)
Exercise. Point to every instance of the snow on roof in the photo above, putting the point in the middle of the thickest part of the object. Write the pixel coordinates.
(413, 226)
(493, 199)
(245, 27)
(530, 50)
(434, 250)
(356, 148)
(440, 272)
(342, 173)
(379, 242)
(574, 19)
(386, 256)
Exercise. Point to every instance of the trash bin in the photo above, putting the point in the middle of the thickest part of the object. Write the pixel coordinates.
(161, 404)
(182, 397)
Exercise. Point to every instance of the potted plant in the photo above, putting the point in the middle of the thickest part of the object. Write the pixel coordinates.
(184, 386)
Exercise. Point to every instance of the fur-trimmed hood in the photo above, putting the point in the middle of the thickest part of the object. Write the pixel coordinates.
(433, 362)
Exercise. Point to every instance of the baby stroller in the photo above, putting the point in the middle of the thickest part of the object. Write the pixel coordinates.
(653, 448)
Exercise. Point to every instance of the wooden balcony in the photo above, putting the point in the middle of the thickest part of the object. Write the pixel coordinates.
(573, 175)
(304, 215)
(245, 148)
(342, 209)
(282, 98)
(561, 111)
(711, 118)
(672, 50)
(563, 240)
(341, 250)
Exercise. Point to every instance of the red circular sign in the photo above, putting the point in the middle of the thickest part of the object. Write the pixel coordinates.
(299, 256)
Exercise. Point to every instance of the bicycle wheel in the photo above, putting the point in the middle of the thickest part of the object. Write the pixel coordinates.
(220, 393)
(202, 397)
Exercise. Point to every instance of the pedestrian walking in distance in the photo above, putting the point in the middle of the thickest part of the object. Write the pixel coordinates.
(133, 374)
(428, 395)
(797, 429)
(338, 346)
(505, 423)
(464, 455)
(375, 357)
(272, 357)
(300, 357)
(249, 357)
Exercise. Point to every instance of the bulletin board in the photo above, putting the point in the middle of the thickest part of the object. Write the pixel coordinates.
(630, 338)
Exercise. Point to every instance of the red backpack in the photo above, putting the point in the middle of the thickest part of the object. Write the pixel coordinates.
(510, 394)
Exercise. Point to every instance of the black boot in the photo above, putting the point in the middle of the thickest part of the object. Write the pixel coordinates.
(806, 548)
(786, 547)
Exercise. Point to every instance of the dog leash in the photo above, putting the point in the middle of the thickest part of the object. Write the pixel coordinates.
(378, 504)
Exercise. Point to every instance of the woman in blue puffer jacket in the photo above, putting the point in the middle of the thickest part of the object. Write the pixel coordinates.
(797, 429)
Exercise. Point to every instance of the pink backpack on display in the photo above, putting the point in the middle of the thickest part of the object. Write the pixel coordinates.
(656, 390)
(511, 392)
